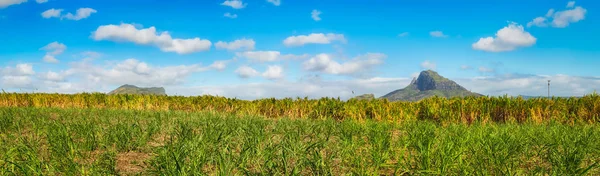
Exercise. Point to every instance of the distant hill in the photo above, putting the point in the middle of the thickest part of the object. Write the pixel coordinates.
(365, 97)
(428, 84)
(131, 89)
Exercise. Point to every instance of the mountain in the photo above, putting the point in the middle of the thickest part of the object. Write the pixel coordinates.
(365, 97)
(428, 84)
(131, 89)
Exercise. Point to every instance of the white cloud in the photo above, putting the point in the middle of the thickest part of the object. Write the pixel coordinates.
(550, 13)
(439, 34)
(133, 71)
(275, 2)
(53, 76)
(18, 70)
(229, 15)
(313, 88)
(508, 38)
(315, 38)
(260, 56)
(246, 72)
(16, 77)
(149, 36)
(52, 50)
(571, 4)
(91, 54)
(486, 70)
(6, 3)
(359, 65)
(268, 56)
(562, 19)
(532, 85)
(539, 22)
(247, 44)
(428, 65)
(466, 67)
(50, 59)
(81, 13)
(273, 72)
(236, 4)
(404, 34)
(52, 13)
(315, 15)
(41, 1)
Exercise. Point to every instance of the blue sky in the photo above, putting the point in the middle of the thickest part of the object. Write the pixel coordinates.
(298, 48)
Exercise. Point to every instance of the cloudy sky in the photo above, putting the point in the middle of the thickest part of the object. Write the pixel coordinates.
(282, 48)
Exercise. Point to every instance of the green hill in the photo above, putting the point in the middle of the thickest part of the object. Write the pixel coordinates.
(365, 97)
(131, 89)
(428, 84)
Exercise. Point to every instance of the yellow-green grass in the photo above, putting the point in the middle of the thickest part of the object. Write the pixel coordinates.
(440, 110)
(88, 141)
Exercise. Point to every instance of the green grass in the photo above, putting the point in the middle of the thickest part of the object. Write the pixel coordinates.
(43, 141)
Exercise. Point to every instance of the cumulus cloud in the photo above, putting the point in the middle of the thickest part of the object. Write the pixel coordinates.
(428, 65)
(314, 38)
(275, 2)
(315, 15)
(404, 34)
(6, 3)
(133, 71)
(359, 65)
(247, 44)
(17, 77)
(41, 1)
(268, 56)
(50, 59)
(273, 72)
(148, 36)
(52, 13)
(508, 38)
(438, 34)
(570, 4)
(550, 13)
(81, 13)
(539, 22)
(246, 72)
(466, 67)
(236, 4)
(52, 76)
(53, 49)
(560, 19)
(229, 15)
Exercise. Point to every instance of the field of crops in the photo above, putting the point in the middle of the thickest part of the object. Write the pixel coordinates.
(96, 134)
(441, 110)
(50, 141)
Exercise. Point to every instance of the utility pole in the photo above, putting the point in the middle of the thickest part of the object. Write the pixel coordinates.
(548, 88)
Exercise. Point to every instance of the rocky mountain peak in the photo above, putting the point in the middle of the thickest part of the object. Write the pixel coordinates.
(431, 80)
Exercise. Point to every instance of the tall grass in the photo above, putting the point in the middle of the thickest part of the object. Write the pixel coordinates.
(441, 110)
(53, 141)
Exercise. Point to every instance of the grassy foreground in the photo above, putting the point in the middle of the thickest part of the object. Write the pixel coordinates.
(50, 141)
